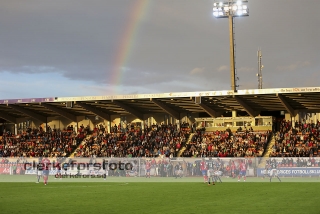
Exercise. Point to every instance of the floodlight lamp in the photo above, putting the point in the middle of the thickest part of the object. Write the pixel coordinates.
(226, 8)
(216, 14)
(234, 8)
(244, 11)
(215, 9)
(220, 13)
(220, 4)
(239, 12)
(214, 4)
(239, 7)
(244, 7)
(239, 2)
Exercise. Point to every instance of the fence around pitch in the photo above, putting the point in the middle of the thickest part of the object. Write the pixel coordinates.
(164, 167)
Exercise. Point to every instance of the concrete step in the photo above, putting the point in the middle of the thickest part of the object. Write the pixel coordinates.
(184, 148)
(267, 153)
(82, 143)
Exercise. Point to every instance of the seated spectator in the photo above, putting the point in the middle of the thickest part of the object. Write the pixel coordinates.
(302, 140)
(37, 142)
(158, 140)
(227, 144)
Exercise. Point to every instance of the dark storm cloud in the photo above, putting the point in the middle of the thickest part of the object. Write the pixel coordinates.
(74, 36)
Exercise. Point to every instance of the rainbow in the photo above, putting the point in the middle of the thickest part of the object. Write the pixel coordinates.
(126, 43)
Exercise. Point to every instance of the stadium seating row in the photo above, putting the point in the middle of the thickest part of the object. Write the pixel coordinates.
(154, 141)
(302, 140)
(36, 143)
(227, 144)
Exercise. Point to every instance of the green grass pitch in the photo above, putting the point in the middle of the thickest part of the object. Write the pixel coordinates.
(159, 195)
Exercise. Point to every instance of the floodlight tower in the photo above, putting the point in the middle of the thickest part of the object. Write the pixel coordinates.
(260, 66)
(231, 9)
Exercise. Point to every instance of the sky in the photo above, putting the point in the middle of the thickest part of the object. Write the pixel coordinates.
(65, 48)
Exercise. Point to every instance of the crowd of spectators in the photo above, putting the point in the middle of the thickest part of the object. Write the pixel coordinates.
(298, 162)
(227, 144)
(154, 141)
(300, 139)
(37, 142)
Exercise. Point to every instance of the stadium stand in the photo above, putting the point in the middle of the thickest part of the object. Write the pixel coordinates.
(302, 140)
(36, 143)
(157, 140)
(227, 144)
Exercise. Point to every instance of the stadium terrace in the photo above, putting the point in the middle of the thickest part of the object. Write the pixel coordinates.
(281, 122)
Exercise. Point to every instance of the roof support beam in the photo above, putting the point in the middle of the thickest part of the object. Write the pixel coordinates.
(205, 108)
(246, 107)
(60, 111)
(166, 108)
(286, 105)
(8, 118)
(209, 110)
(29, 113)
(307, 110)
(129, 109)
(98, 111)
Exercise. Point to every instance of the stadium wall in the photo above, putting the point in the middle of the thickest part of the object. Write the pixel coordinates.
(308, 117)
(149, 119)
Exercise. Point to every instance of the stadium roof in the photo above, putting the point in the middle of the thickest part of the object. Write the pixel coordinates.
(214, 103)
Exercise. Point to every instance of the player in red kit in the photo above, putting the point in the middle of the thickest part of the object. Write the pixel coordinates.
(148, 168)
(58, 168)
(243, 171)
(45, 166)
(233, 169)
(203, 168)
